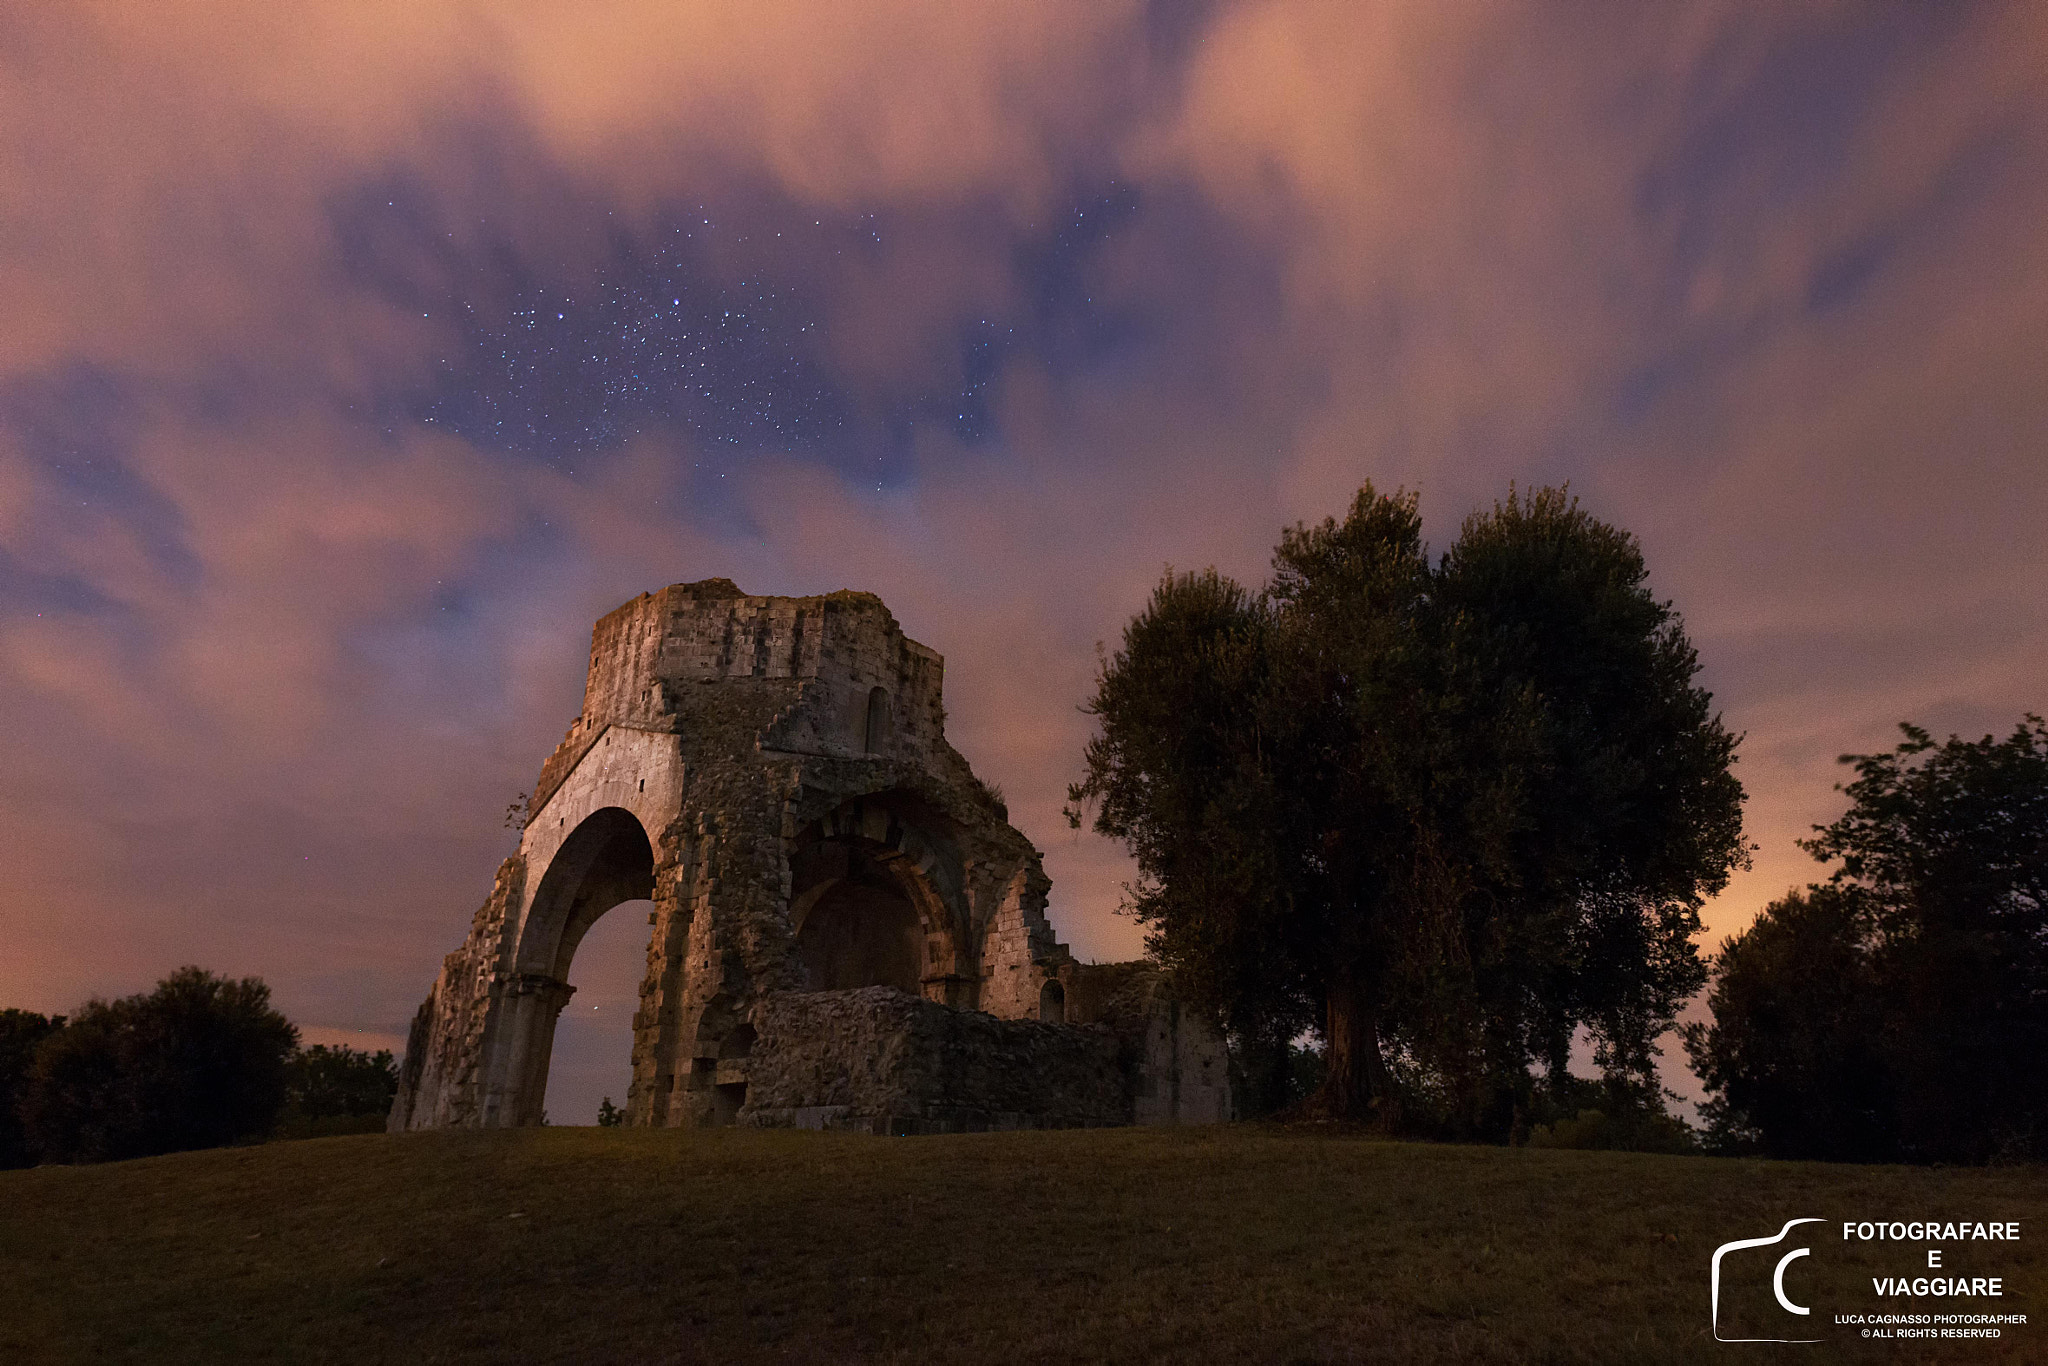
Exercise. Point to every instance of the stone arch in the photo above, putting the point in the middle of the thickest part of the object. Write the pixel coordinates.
(876, 899)
(1052, 1002)
(756, 740)
(605, 860)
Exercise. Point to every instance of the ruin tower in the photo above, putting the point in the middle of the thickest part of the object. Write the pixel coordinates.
(840, 905)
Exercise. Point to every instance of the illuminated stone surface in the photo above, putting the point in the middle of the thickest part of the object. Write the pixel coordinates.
(773, 774)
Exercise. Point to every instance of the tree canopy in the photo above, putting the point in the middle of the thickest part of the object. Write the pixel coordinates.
(337, 1082)
(197, 1063)
(21, 1033)
(1899, 1011)
(1444, 812)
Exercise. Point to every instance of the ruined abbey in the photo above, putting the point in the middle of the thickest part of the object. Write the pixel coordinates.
(847, 932)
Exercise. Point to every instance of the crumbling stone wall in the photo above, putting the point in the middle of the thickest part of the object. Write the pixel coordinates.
(742, 762)
(880, 1061)
(1020, 951)
(1178, 1067)
(439, 1081)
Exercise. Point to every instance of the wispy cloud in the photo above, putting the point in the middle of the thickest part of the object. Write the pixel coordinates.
(994, 310)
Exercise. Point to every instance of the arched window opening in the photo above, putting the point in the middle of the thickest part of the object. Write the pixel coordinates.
(875, 735)
(863, 932)
(1052, 1003)
(871, 900)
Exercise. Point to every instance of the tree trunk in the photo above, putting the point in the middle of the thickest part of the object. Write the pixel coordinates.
(1355, 1078)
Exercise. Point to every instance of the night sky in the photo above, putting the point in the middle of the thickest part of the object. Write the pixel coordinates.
(355, 357)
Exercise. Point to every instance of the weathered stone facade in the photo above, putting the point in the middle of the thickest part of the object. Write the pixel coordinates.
(876, 1059)
(773, 774)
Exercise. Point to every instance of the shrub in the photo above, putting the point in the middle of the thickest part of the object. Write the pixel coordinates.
(1629, 1131)
(337, 1090)
(1271, 1076)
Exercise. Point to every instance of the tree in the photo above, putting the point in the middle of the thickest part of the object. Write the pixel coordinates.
(340, 1082)
(1792, 1064)
(21, 1032)
(1443, 813)
(1900, 1010)
(1620, 810)
(197, 1063)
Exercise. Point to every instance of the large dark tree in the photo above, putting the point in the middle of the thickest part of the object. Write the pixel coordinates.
(1443, 813)
(1794, 1064)
(21, 1033)
(197, 1063)
(1622, 809)
(1900, 1011)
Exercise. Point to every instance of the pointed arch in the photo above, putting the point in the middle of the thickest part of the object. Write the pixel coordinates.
(605, 860)
(876, 900)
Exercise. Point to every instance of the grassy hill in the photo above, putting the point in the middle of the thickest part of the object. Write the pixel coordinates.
(1242, 1243)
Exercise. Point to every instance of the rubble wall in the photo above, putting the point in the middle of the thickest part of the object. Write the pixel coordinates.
(1177, 1061)
(881, 1061)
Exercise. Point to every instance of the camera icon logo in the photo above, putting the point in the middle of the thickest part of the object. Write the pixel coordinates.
(1777, 1278)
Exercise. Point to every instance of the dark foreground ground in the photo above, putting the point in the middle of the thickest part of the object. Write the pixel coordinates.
(1235, 1244)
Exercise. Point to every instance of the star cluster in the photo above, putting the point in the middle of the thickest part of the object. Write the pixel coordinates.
(656, 341)
(659, 339)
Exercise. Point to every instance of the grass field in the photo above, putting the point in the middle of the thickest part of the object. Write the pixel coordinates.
(1234, 1244)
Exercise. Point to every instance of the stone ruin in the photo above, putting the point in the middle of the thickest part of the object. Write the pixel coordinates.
(847, 932)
